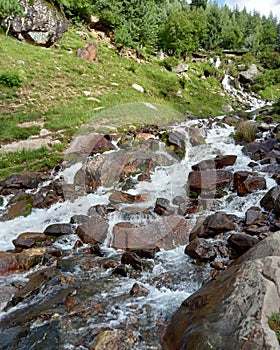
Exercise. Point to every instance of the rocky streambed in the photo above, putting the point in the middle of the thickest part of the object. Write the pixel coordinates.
(100, 253)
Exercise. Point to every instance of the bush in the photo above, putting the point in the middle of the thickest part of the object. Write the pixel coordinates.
(169, 62)
(246, 131)
(276, 106)
(274, 324)
(10, 79)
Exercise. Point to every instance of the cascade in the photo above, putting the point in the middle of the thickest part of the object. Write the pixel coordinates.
(168, 279)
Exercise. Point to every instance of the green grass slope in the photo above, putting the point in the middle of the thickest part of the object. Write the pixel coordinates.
(59, 92)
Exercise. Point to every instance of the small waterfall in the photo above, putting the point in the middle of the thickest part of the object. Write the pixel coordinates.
(170, 277)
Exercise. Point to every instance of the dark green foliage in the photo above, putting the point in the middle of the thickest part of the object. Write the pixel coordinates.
(9, 8)
(265, 79)
(10, 79)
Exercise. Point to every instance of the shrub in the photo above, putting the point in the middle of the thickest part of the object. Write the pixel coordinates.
(246, 131)
(274, 324)
(10, 79)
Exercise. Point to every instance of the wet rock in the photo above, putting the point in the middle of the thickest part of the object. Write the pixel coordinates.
(35, 281)
(208, 182)
(246, 182)
(120, 270)
(78, 219)
(241, 242)
(213, 225)
(219, 162)
(246, 292)
(94, 230)
(10, 338)
(271, 200)
(42, 24)
(197, 136)
(162, 207)
(24, 243)
(257, 150)
(167, 233)
(8, 263)
(102, 145)
(46, 335)
(254, 216)
(109, 168)
(200, 249)
(26, 180)
(130, 258)
(196, 205)
(59, 230)
(28, 237)
(22, 208)
(96, 250)
(217, 265)
(30, 257)
(118, 197)
(113, 339)
(146, 253)
(139, 290)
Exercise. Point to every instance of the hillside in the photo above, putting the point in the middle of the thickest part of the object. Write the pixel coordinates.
(59, 92)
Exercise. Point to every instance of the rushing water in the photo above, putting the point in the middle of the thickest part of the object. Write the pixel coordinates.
(168, 279)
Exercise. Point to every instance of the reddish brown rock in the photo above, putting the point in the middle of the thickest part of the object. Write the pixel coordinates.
(130, 258)
(241, 242)
(118, 197)
(102, 145)
(200, 249)
(213, 225)
(21, 208)
(208, 182)
(271, 200)
(89, 52)
(8, 263)
(94, 230)
(138, 290)
(59, 229)
(246, 182)
(219, 162)
(167, 232)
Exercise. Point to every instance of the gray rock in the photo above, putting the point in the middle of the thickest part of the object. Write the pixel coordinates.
(248, 75)
(231, 312)
(43, 24)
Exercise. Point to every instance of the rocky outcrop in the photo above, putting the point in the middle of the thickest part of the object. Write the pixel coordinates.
(42, 24)
(231, 311)
(247, 76)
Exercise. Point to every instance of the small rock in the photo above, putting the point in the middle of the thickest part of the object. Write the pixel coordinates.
(200, 249)
(138, 87)
(120, 270)
(138, 290)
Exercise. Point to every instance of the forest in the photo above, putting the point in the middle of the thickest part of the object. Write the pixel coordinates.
(175, 27)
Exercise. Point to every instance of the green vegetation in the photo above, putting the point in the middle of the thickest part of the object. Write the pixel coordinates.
(53, 89)
(245, 132)
(10, 79)
(274, 324)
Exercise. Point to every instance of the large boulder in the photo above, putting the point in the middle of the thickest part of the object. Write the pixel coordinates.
(271, 200)
(231, 311)
(247, 76)
(42, 24)
(168, 232)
